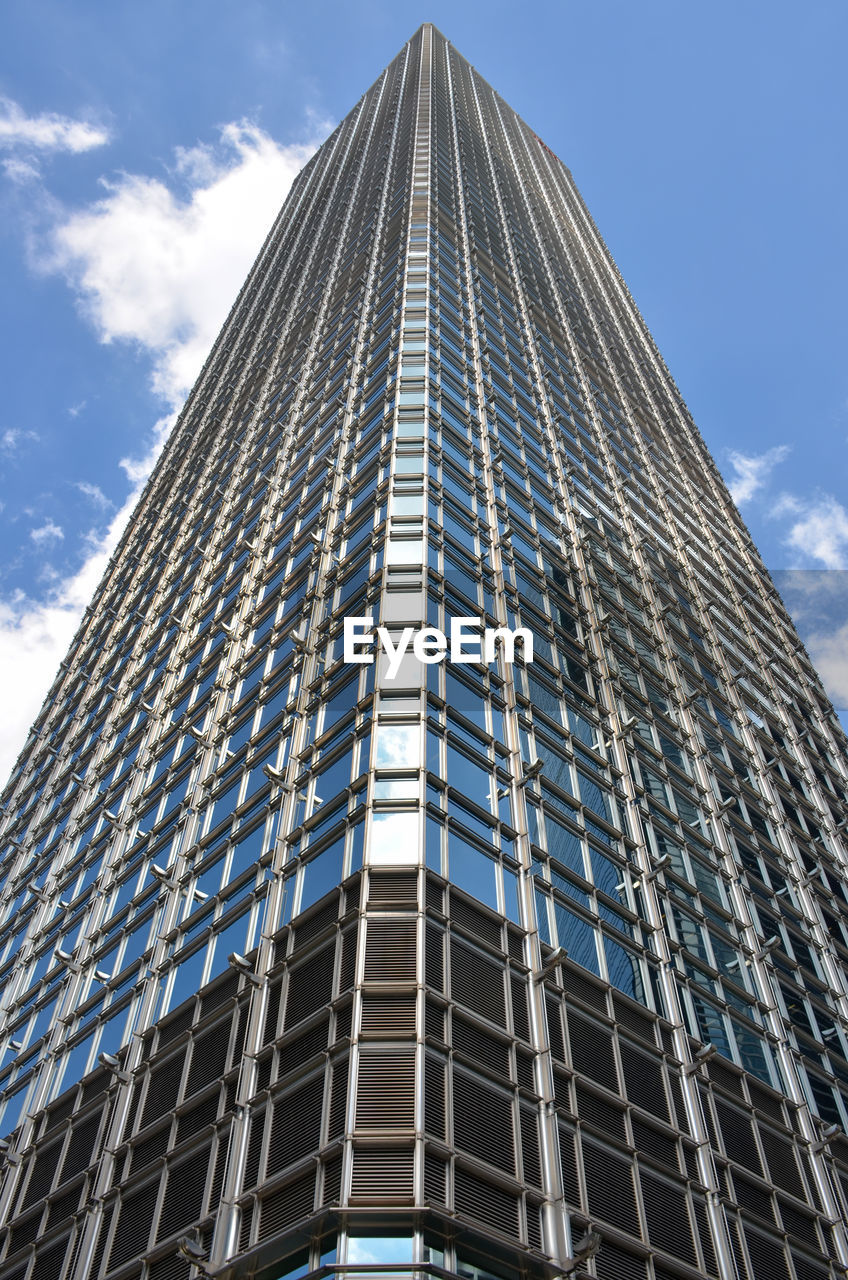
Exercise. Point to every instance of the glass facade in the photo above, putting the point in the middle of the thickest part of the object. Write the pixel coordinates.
(489, 968)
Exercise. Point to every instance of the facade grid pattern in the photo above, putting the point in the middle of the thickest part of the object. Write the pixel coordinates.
(498, 970)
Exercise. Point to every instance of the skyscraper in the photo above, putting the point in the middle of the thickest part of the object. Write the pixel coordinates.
(476, 966)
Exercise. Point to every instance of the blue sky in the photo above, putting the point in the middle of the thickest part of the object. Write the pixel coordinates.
(144, 150)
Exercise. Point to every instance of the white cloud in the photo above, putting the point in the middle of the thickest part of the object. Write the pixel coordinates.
(820, 532)
(46, 132)
(35, 635)
(14, 437)
(751, 471)
(829, 654)
(95, 493)
(47, 533)
(18, 169)
(158, 270)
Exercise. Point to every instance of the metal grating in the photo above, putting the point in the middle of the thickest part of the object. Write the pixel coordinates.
(477, 982)
(82, 1147)
(475, 1198)
(614, 1263)
(595, 1110)
(296, 1125)
(135, 1216)
(609, 1187)
(284, 1208)
(475, 1043)
(737, 1132)
(385, 1092)
(162, 1089)
(483, 1121)
(382, 1176)
(182, 1205)
(667, 1217)
(643, 1079)
(388, 1016)
(390, 950)
(653, 1142)
(310, 986)
(591, 1051)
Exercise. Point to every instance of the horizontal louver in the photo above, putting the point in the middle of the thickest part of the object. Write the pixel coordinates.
(347, 967)
(520, 1016)
(172, 1267)
(654, 1143)
(310, 986)
(434, 1179)
(768, 1259)
(530, 1160)
(82, 1147)
(150, 1148)
(49, 1260)
(614, 1263)
(135, 1216)
(183, 1202)
(208, 1058)
(332, 1192)
(480, 1045)
(382, 1176)
(474, 921)
(667, 1216)
(597, 1111)
(738, 1135)
(388, 1016)
(434, 1096)
(643, 1078)
(609, 1187)
(591, 1051)
(296, 1126)
(385, 1092)
(482, 1121)
(284, 1208)
(295, 1051)
(783, 1167)
(162, 1089)
(390, 951)
(553, 1008)
(477, 982)
(42, 1173)
(338, 1099)
(753, 1198)
(200, 1115)
(475, 1198)
(399, 887)
(434, 965)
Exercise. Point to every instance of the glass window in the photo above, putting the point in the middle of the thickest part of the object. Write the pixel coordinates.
(472, 870)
